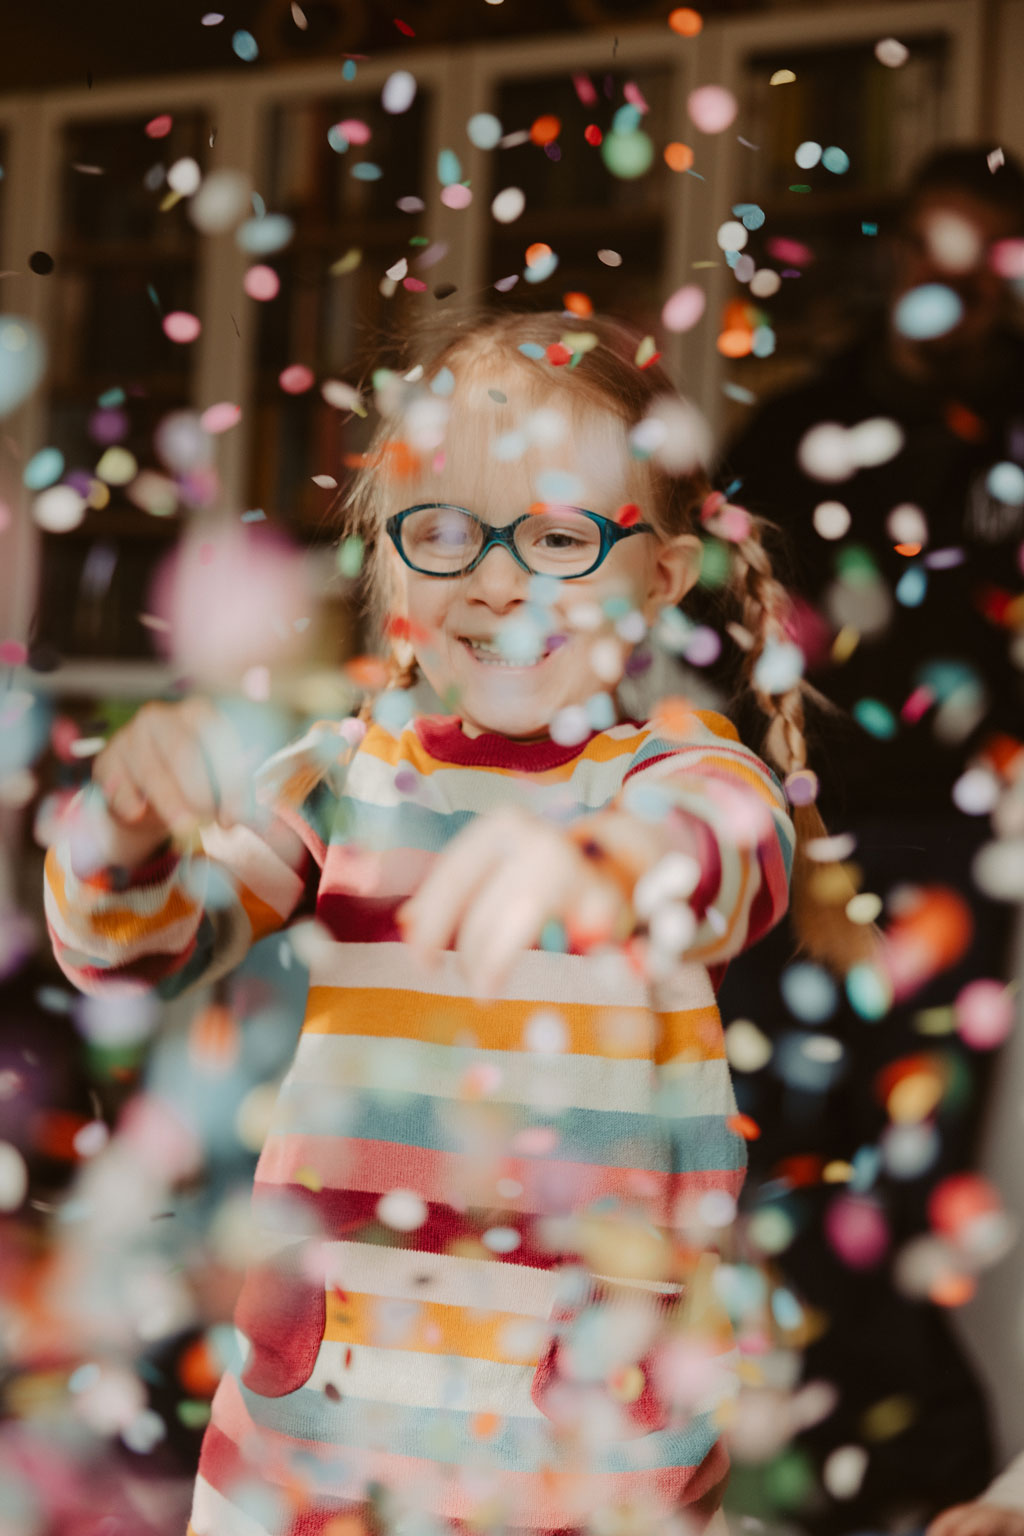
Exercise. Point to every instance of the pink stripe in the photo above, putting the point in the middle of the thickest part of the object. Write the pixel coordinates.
(539, 1500)
(550, 1185)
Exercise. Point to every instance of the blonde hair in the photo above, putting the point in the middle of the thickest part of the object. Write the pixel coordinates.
(608, 377)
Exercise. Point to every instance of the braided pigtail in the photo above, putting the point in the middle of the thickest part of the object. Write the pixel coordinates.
(819, 890)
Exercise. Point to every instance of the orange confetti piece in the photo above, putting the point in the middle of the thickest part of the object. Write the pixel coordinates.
(965, 423)
(673, 716)
(545, 129)
(537, 253)
(744, 1126)
(54, 1132)
(214, 1039)
(366, 672)
(198, 1372)
(628, 514)
(736, 343)
(558, 355)
(909, 550)
(800, 1170)
(578, 304)
(953, 1290)
(685, 21)
(678, 157)
(484, 1425)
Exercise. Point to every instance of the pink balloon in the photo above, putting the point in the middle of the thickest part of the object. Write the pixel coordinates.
(712, 108)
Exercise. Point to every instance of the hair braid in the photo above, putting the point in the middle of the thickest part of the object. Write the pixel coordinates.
(819, 890)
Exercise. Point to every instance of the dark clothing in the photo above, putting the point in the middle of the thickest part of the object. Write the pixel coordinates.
(951, 443)
(894, 793)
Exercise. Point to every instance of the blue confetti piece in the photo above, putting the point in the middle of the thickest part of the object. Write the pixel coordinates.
(337, 140)
(532, 349)
(43, 469)
(867, 228)
(835, 160)
(367, 171)
(627, 119)
(449, 168)
(348, 69)
(154, 298)
(111, 397)
(245, 46)
(912, 587)
(257, 515)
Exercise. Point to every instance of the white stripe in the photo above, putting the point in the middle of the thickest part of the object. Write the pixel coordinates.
(214, 1515)
(491, 1284)
(251, 860)
(557, 1081)
(537, 976)
(410, 1379)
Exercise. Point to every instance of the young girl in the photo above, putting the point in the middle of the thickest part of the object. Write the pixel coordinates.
(509, 1125)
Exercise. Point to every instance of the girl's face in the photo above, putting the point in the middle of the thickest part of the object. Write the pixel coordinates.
(499, 457)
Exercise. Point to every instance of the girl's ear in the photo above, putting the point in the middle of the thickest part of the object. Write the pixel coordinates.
(675, 568)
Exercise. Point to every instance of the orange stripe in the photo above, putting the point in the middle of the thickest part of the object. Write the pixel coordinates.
(432, 1328)
(263, 919)
(119, 926)
(593, 1030)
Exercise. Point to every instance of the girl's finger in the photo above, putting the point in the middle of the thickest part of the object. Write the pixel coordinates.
(506, 917)
(160, 786)
(431, 918)
(177, 741)
(124, 799)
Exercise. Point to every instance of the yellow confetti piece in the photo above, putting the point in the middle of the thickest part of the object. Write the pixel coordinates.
(169, 200)
(309, 1179)
(845, 643)
(837, 1172)
(645, 351)
(782, 77)
(887, 1418)
(935, 1021)
(346, 263)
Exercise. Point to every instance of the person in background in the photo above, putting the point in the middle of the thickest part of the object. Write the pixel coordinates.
(903, 537)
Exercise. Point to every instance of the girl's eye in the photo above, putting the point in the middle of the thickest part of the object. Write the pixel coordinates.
(560, 540)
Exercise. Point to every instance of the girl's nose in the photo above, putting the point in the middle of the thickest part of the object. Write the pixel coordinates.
(498, 580)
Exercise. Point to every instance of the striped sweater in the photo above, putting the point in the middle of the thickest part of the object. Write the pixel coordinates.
(453, 1190)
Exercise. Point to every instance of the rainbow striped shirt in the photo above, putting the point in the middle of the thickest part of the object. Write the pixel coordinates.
(554, 1137)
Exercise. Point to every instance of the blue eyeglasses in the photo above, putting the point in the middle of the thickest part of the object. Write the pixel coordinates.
(437, 539)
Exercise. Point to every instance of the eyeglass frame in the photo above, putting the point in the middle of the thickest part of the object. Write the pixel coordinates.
(611, 534)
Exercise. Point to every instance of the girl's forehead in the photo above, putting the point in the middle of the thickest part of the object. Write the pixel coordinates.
(502, 442)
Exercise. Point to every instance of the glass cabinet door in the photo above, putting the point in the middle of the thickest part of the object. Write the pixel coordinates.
(126, 257)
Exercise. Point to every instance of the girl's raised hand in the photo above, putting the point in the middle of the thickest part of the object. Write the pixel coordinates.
(170, 770)
(978, 1519)
(498, 883)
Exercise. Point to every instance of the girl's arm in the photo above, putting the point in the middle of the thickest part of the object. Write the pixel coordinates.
(179, 919)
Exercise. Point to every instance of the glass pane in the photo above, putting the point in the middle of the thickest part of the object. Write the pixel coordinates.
(885, 121)
(127, 255)
(575, 204)
(330, 314)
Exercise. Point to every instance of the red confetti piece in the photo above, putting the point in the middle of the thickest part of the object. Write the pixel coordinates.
(404, 28)
(585, 89)
(650, 361)
(628, 514)
(744, 1126)
(414, 285)
(159, 127)
(593, 134)
(558, 355)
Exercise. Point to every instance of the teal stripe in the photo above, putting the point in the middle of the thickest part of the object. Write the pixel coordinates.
(443, 1435)
(605, 1138)
(380, 827)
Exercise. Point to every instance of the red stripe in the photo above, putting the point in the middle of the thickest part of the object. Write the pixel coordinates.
(443, 738)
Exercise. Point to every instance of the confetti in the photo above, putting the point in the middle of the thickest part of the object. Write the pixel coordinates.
(245, 46)
(627, 155)
(43, 468)
(807, 154)
(484, 130)
(931, 310)
(22, 361)
(398, 93)
(508, 204)
(59, 509)
(179, 326)
(159, 127)
(891, 53)
(782, 77)
(296, 379)
(685, 22)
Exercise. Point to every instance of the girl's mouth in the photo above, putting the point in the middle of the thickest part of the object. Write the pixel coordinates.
(486, 653)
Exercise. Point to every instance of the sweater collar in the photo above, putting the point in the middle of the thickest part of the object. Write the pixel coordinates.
(445, 740)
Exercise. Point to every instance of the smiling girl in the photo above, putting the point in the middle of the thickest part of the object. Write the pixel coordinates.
(509, 1126)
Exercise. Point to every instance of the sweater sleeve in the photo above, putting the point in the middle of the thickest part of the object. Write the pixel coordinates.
(719, 803)
(182, 920)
